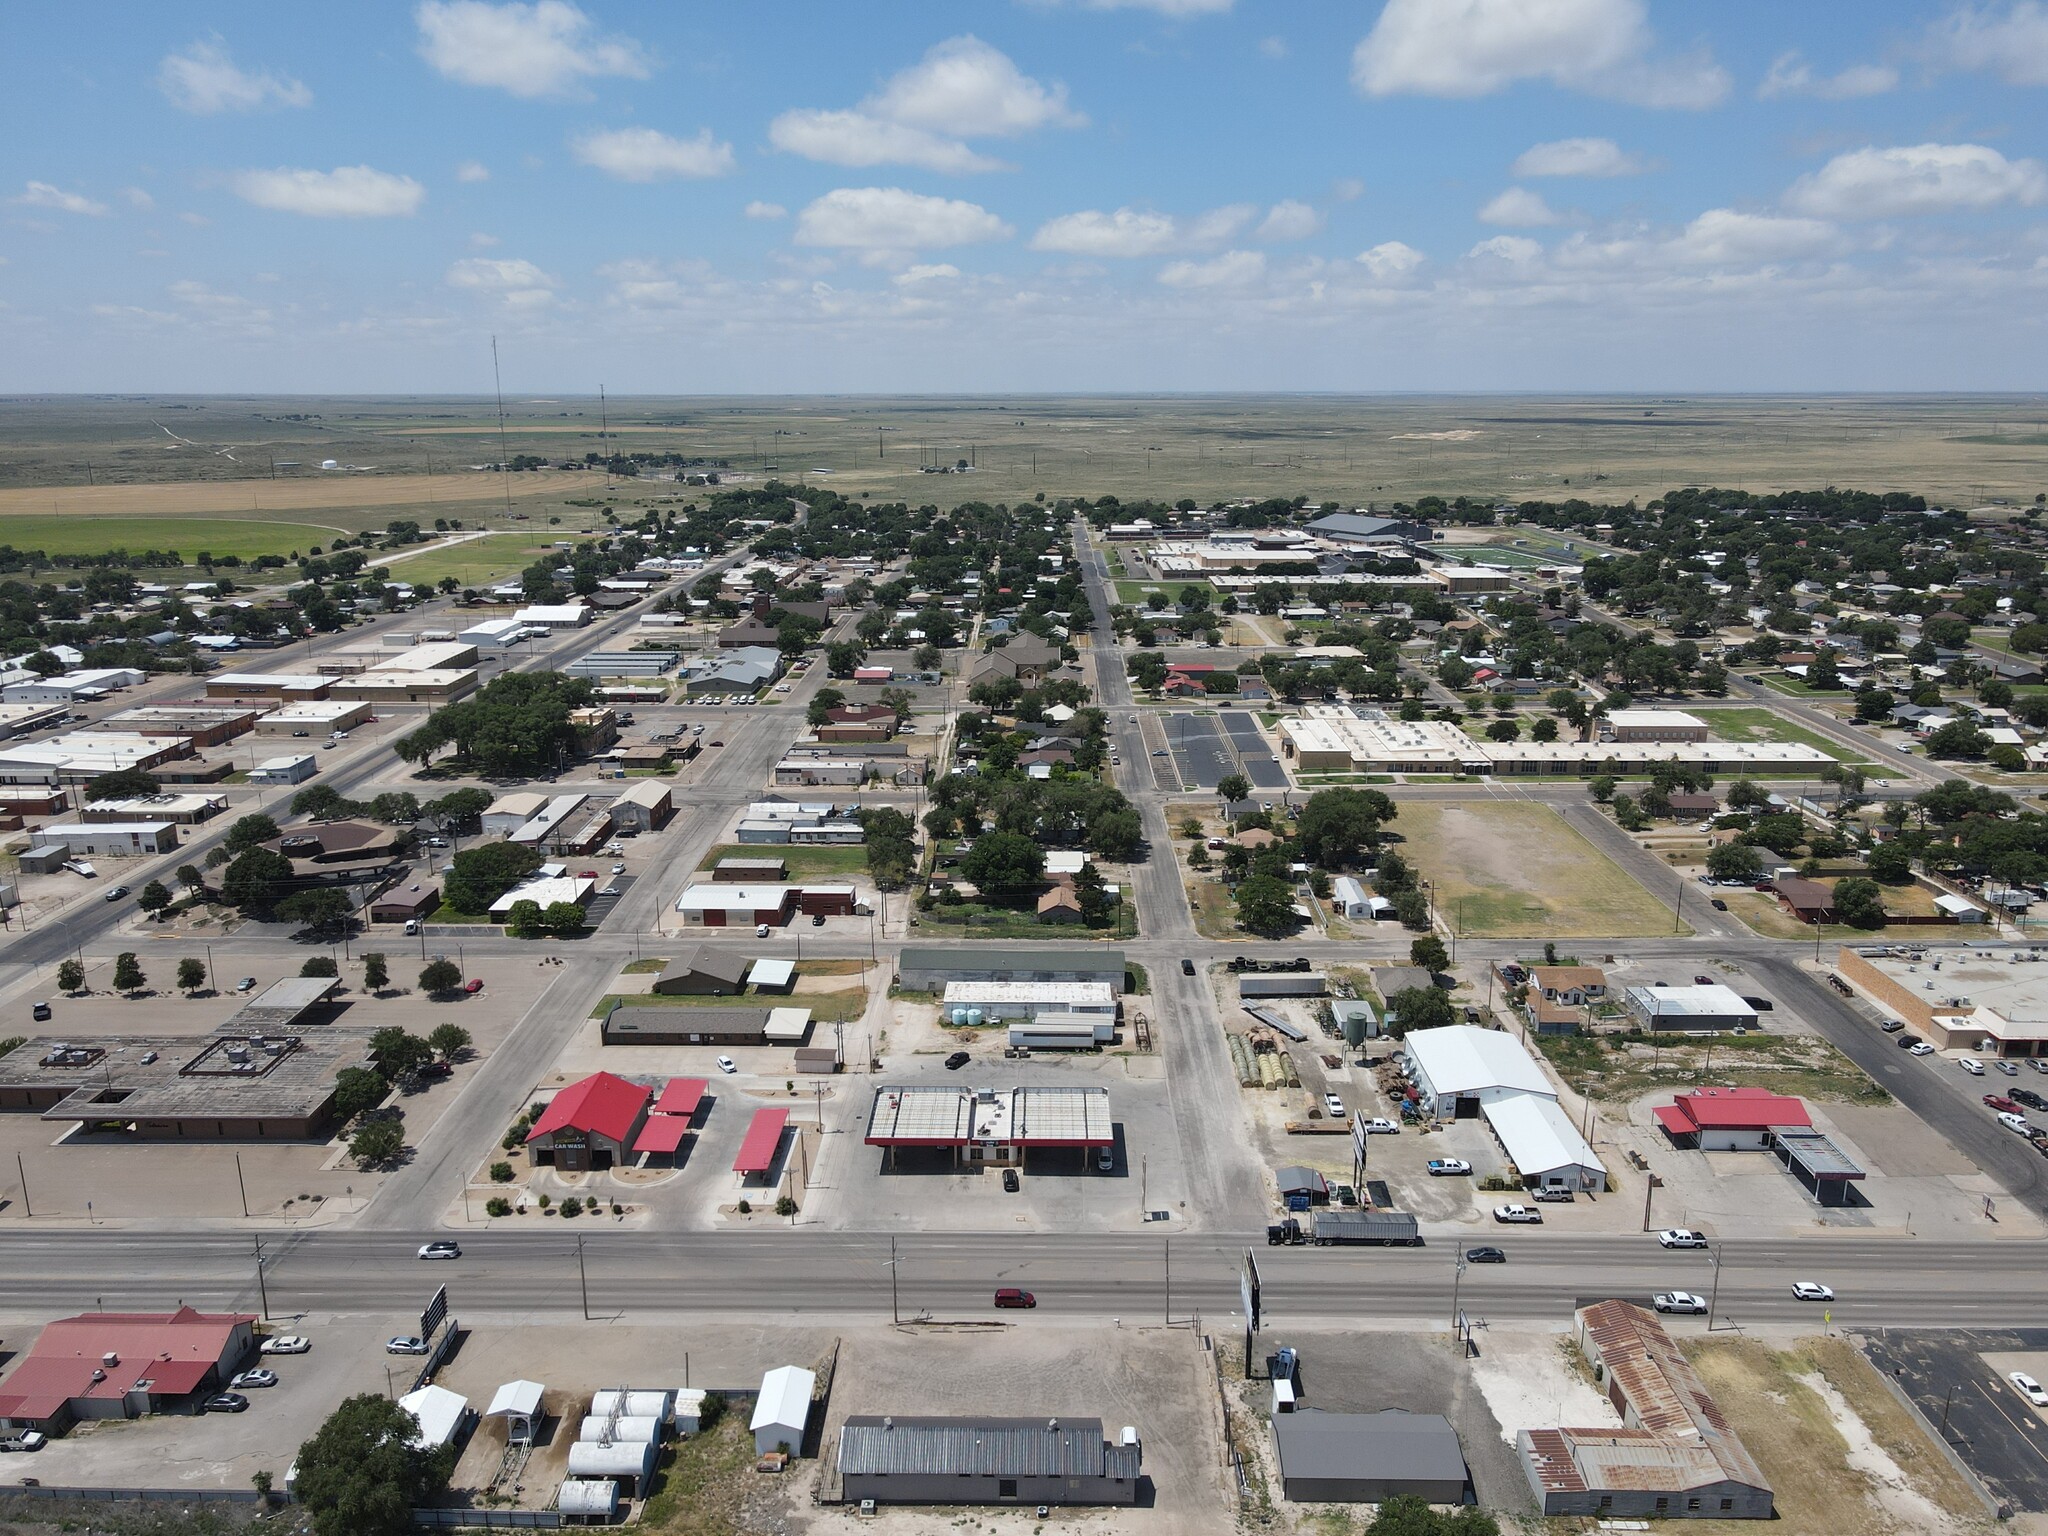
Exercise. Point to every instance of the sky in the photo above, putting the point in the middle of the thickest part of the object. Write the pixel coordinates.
(995, 196)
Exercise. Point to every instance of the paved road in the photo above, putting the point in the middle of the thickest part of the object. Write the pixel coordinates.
(1974, 1407)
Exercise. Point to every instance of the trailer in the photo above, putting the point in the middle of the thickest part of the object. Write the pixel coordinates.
(1382, 1229)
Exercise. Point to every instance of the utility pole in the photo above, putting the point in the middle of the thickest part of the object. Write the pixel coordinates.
(240, 1185)
(583, 1279)
(1168, 1289)
(1714, 1294)
(895, 1311)
(1457, 1280)
(262, 1289)
(26, 1208)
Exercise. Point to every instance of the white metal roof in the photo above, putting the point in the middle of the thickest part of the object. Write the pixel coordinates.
(786, 1024)
(1096, 993)
(439, 1412)
(521, 1399)
(785, 1400)
(571, 888)
(1713, 1000)
(771, 973)
(732, 898)
(1539, 1137)
(1956, 905)
(1463, 1058)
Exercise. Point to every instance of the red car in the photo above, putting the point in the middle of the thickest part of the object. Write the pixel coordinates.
(2001, 1103)
(473, 987)
(586, 874)
(1010, 1296)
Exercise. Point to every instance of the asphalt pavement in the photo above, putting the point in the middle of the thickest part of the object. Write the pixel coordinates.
(2002, 1437)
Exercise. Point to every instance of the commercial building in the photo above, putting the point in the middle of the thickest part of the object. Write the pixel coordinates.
(185, 810)
(1729, 1119)
(73, 687)
(994, 1001)
(734, 906)
(645, 807)
(709, 970)
(548, 891)
(405, 903)
(204, 725)
(1991, 1001)
(337, 851)
(1544, 1147)
(745, 671)
(295, 768)
(929, 967)
(425, 685)
(1368, 1458)
(111, 839)
(121, 1365)
(508, 813)
(590, 1124)
(286, 687)
(1674, 1455)
(1461, 1067)
(1662, 1010)
(548, 825)
(77, 756)
(643, 1024)
(991, 1125)
(750, 872)
(493, 634)
(1045, 1459)
(553, 616)
(1655, 725)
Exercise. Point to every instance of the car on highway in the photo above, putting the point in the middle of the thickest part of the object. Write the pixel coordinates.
(441, 1248)
(2002, 1104)
(1160, 752)
(1448, 1167)
(1011, 1183)
(246, 984)
(1678, 1301)
(1334, 1107)
(24, 1440)
(1682, 1237)
(405, 1344)
(727, 1065)
(1379, 1125)
(586, 874)
(287, 1344)
(1011, 1296)
(257, 1378)
(1523, 1215)
(717, 743)
(1892, 1026)
(1812, 1290)
(1485, 1255)
(1187, 967)
(618, 869)
(760, 930)
(1971, 1065)
(1917, 1047)
(957, 1060)
(225, 1402)
(2029, 1388)
(116, 893)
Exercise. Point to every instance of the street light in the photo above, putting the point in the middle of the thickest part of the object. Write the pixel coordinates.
(1457, 1280)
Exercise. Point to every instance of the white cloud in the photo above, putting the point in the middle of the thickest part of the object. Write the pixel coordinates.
(1515, 249)
(196, 220)
(1724, 237)
(347, 192)
(643, 154)
(1577, 157)
(963, 86)
(1233, 269)
(1290, 220)
(1390, 259)
(1916, 179)
(479, 241)
(1467, 48)
(1518, 208)
(1791, 75)
(137, 198)
(512, 282)
(1347, 189)
(472, 170)
(891, 219)
(759, 210)
(930, 272)
(1126, 232)
(2010, 43)
(1273, 47)
(538, 50)
(1177, 10)
(856, 138)
(1220, 224)
(40, 194)
(204, 79)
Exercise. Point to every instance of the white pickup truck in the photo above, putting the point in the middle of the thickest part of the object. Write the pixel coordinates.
(1527, 1214)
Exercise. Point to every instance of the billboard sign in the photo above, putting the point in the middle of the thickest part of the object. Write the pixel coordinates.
(435, 1314)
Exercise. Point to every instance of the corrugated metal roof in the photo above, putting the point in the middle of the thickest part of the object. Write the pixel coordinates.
(1047, 1447)
(1365, 1446)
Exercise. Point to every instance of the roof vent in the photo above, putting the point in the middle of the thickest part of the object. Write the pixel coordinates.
(888, 1421)
(99, 1376)
(1051, 1424)
(110, 1359)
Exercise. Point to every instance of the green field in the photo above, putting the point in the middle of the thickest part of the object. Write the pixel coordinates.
(804, 863)
(1756, 724)
(188, 536)
(476, 563)
(1516, 869)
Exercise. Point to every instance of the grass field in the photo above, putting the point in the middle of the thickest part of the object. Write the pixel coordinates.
(473, 563)
(262, 494)
(74, 534)
(804, 863)
(1518, 870)
(1757, 724)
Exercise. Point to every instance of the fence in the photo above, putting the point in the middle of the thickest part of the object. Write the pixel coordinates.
(487, 1519)
(139, 1495)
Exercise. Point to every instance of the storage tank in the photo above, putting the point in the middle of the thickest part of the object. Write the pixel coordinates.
(629, 1429)
(644, 1404)
(974, 1016)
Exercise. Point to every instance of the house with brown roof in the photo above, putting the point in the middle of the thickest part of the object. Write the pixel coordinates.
(1059, 905)
(1807, 900)
(1576, 985)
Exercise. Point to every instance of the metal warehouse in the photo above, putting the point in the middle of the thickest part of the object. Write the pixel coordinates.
(1662, 1009)
(1050, 1460)
(1461, 1067)
(1368, 1458)
(990, 1125)
(999, 1000)
(928, 967)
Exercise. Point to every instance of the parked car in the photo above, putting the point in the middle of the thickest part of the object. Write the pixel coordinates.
(1812, 1290)
(1448, 1167)
(1334, 1107)
(1702, 981)
(1971, 1065)
(1010, 1296)
(2001, 1103)
(256, 1378)
(1526, 1215)
(24, 1440)
(2029, 1388)
(1678, 1301)
(2015, 1123)
(1920, 1048)
(246, 984)
(2007, 1068)
(2039, 1064)
(286, 1344)
(1760, 1004)
(2028, 1097)
(225, 1402)
(727, 1065)
(405, 1344)
(1187, 967)
(473, 986)
(957, 1060)
(441, 1248)
(1555, 1194)
(1892, 1026)
(39, 1012)
(760, 930)
(1485, 1255)
(1682, 1237)
(1379, 1125)
(1011, 1183)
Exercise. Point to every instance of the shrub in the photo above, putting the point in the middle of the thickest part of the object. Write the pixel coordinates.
(497, 1205)
(746, 1207)
(572, 1207)
(785, 1206)
(545, 1202)
(501, 1173)
(320, 965)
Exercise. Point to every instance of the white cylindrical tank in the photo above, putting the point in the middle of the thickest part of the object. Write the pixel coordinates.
(649, 1405)
(634, 1429)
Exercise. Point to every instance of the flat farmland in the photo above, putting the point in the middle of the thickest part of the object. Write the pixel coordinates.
(471, 562)
(331, 490)
(1519, 870)
(187, 536)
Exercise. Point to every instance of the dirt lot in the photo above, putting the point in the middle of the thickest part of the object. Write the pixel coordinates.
(1516, 869)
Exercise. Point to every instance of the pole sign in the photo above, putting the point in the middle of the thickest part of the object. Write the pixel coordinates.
(435, 1314)
(1248, 1291)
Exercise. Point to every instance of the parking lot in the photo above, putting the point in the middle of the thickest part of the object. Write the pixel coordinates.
(1253, 754)
(1199, 749)
(1958, 1382)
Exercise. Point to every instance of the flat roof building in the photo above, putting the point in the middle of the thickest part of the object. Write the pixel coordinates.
(268, 685)
(1991, 1001)
(708, 1024)
(1042, 1459)
(1368, 1458)
(1655, 725)
(999, 1000)
(929, 967)
(990, 1125)
(1709, 1007)
(293, 768)
(80, 755)
(112, 839)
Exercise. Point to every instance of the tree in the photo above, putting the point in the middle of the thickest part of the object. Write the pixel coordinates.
(842, 657)
(1430, 954)
(71, 976)
(1545, 729)
(1890, 864)
(395, 1052)
(1734, 861)
(1407, 1515)
(1411, 910)
(1602, 788)
(191, 974)
(320, 965)
(192, 877)
(1747, 795)
(319, 909)
(376, 973)
(1958, 739)
(1265, 906)
(448, 1040)
(322, 802)
(1781, 832)
(1004, 865)
(440, 975)
(563, 919)
(127, 784)
(1504, 730)
(523, 920)
(128, 975)
(154, 898)
(481, 875)
(361, 1474)
(255, 879)
(357, 1091)
(376, 1142)
(1415, 1008)
(1337, 825)
(1859, 903)
(250, 830)
(1233, 787)
(1092, 893)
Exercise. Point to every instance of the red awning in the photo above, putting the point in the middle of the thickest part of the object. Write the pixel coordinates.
(764, 1137)
(662, 1133)
(1674, 1120)
(681, 1096)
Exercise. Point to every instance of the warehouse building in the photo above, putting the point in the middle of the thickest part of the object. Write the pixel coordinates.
(1368, 1458)
(185, 810)
(1664, 1010)
(706, 971)
(554, 616)
(110, 839)
(646, 807)
(1461, 1067)
(285, 687)
(204, 725)
(78, 756)
(995, 1001)
(121, 1365)
(425, 685)
(313, 717)
(294, 768)
(717, 905)
(1544, 1146)
(709, 1025)
(929, 967)
(991, 1126)
(897, 1459)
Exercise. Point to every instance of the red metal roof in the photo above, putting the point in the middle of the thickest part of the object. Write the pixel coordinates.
(601, 1104)
(1736, 1109)
(662, 1133)
(173, 1351)
(681, 1096)
(764, 1136)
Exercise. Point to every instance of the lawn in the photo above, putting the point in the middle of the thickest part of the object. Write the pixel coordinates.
(804, 862)
(1754, 724)
(474, 563)
(189, 536)
(973, 920)
(826, 1007)
(1516, 869)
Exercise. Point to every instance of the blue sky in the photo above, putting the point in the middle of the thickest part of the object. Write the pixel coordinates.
(1027, 195)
